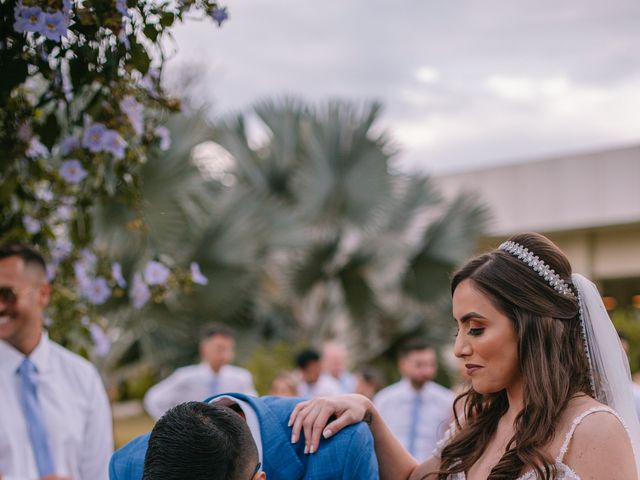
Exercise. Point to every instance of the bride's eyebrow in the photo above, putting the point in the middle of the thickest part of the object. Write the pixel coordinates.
(468, 316)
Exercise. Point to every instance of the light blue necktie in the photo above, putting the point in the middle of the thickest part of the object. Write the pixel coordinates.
(35, 421)
(415, 420)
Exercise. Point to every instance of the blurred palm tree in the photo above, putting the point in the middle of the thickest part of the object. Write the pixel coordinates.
(303, 229)
(351, 248)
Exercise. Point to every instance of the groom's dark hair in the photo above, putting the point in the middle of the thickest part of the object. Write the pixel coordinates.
(200, 441)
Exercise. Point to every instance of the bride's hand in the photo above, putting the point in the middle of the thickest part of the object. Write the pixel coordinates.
(313, 415)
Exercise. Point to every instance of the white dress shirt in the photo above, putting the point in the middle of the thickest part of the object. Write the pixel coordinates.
(75, 410)
(395, 404)
(347, 381)
(250, 416)
(326, 386)
(195, 383)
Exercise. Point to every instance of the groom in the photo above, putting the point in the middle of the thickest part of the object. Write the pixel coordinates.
(348, 455)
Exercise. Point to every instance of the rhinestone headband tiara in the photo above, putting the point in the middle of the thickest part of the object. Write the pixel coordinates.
(550, 276)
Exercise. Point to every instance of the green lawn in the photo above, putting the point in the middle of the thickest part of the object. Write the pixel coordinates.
(125, 429)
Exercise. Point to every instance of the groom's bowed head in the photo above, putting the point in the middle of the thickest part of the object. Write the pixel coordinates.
(201, 441)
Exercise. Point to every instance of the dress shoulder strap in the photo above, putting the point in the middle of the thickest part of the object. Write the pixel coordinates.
(577, 421)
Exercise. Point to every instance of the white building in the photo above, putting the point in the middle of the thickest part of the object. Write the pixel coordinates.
(589, 204)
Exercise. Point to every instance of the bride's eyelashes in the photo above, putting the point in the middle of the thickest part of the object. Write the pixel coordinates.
(475, 331)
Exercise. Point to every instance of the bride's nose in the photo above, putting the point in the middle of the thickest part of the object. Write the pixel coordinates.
(461, 347)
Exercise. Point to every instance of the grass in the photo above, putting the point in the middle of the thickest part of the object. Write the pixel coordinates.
(125, 429)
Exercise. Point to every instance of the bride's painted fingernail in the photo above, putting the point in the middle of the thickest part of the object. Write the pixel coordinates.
(293, 438)
(327, 433)
(306, 449)
(312, 450)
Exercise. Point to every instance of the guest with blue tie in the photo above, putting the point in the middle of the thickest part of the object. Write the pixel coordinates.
(417, 410)
(312, 382)
(214, 375)
(55, 421)
(335, 358)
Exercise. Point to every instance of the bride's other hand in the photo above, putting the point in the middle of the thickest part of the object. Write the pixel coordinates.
(313, 416)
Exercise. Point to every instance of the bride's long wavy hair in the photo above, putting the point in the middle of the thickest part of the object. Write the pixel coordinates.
(551, 358)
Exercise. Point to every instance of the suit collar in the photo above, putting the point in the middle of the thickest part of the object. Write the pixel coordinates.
(280, 457)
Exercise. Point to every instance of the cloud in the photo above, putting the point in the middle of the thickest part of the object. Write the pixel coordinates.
(462, 82)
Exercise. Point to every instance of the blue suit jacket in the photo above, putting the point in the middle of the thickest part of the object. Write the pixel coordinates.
(348, 455)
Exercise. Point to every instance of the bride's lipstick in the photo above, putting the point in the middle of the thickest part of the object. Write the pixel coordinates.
(472, 368)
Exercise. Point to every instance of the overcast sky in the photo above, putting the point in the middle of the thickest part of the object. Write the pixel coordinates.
(464, 83)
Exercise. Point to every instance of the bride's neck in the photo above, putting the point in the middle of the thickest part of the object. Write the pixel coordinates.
(516, 402)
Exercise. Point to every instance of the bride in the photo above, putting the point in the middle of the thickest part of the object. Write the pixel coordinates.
(550, 390)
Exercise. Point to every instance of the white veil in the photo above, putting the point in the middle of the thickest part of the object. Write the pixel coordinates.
(610, 374)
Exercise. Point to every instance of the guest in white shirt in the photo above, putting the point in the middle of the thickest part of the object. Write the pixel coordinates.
(213, 376)
(334, 363)
(313, 383)
(55, 422)
(416, 409)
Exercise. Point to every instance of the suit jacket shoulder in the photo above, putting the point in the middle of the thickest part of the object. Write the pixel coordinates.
(128, 462)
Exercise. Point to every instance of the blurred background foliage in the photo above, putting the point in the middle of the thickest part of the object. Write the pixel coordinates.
(306, 232)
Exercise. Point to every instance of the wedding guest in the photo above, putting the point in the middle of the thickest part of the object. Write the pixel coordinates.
(369, 381)
(549, 395)
(284, 385)
(313, 383)
(416, 409)
(214, 375)
(55, 421)
(334, 363)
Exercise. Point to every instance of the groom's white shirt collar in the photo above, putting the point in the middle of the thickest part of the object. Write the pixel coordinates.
(250, 416)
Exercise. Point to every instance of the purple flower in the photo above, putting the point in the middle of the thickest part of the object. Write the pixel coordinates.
(162, 133)
(220, 15)
(51, 271)
(97, 291)
(82, 276)
(55, 25)
(156, 273)
(88, 258)
(123, 37)
(64, 212)
(24, 132)
(31, 225)
(61, 250)
(36, 149)
(44, 193)
(28, 19)
(197, 276)
(150, 81)
(72, 172)
(68, 144)
(101, 343)
(114, 144)
(134, 111)
(116, 273)
(139, 292)
(121, 6)
(93, 137)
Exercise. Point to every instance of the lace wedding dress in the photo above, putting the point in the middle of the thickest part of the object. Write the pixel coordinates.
(564, 472)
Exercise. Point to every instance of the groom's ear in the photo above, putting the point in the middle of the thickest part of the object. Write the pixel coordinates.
(259, 476)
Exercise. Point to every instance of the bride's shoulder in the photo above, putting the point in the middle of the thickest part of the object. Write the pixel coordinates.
(596, 440)
(588, 418)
